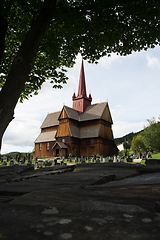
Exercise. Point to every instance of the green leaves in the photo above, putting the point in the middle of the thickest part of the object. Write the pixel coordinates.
(94, 28)
(138, 144)
(151, 135)
(149, 139)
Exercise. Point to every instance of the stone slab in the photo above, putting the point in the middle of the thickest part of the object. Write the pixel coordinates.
(71, 205)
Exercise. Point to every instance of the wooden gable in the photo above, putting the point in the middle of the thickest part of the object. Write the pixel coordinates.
(63, 128)
(63, 114)
(105, 132)
(106, 115)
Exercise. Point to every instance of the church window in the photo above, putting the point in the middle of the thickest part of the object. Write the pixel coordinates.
(48, 146)
(92, 142)
(40, 146)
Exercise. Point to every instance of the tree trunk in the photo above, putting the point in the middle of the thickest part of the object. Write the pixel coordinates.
(3, 31)
(22, 65)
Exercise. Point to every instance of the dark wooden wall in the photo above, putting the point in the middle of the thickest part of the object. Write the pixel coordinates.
(44, 153)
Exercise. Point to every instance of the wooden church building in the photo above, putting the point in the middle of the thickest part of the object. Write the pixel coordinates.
(83, 130)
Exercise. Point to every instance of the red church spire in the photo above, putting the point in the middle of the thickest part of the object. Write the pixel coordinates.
(81, 101)
(82, 84)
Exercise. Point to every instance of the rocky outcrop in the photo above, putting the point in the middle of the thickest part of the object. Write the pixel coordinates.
(86, 201)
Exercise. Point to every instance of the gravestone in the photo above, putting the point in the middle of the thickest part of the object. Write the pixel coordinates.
(115, 159)
(106, 160)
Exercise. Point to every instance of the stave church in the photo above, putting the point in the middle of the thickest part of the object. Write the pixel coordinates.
(83, 130)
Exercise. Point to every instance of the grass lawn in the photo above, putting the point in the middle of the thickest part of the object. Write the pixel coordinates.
(156, 156)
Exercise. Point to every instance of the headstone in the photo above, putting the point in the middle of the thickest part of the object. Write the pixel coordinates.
(83, 160)
(122, 159)
(115, 159)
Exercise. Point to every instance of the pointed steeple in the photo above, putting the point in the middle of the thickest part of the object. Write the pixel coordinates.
(82, 84)
(81, 101)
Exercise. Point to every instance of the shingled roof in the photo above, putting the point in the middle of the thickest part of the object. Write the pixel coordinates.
(61, 145)
(85, 132)
(51, 120)
(91, 131)
(93, 111)
(73, 114)
(75, 131)
(46, 137)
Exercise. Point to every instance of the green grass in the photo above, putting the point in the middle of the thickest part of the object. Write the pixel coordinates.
(143, 162)
(156, 156)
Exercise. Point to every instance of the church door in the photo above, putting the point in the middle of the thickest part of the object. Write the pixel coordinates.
(57, 152)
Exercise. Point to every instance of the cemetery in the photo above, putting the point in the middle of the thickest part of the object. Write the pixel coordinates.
(50, 162)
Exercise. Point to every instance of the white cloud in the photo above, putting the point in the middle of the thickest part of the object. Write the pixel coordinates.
(123, 128)
(118, 111)
(107, 62)
(153, 62)
(21, 133)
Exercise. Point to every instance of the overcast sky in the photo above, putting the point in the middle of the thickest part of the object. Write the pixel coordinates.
(130, 84)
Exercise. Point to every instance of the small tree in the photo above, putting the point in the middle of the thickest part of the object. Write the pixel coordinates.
(127, 146)
(138, 143)
(151, 135)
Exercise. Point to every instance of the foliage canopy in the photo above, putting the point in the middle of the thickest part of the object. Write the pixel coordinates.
(151, 135)
(127, 146)
(138, 144)
(94, 28)
(149, 139)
